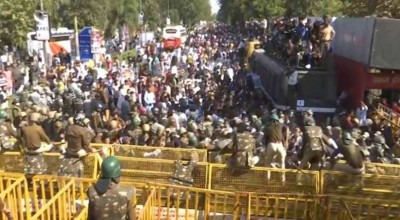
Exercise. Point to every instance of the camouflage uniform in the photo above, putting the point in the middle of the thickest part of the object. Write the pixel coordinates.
(244, 152)
(313, 146)
(33, 137)
(113, 204)
(8, 136)
(183, 174)
(108, 200)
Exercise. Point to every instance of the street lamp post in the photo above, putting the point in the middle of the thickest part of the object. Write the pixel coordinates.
(44, 44)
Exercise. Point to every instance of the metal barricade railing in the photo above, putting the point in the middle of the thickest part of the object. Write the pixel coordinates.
(367, 185)
(164, 152)
(150, 170)
(382, 169)
(13, 162)
(348, 208)
(261, 179)
(390, 116)
(14, 197)
(60, 206)
(178, 202)
(283, 206)
(83, 214)
(148, 212)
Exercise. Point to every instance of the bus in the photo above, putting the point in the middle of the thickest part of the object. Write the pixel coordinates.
(174, 37)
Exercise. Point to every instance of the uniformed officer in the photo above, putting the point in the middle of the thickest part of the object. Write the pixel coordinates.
(244, 148)
(8, 133)
(313, 145)
(35, 142)
(109, 200)
(352, 155)
(78, 145)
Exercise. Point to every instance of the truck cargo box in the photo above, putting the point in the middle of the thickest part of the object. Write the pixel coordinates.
(373, 42)
(316, 88)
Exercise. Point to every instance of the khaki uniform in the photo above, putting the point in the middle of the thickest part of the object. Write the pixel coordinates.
(118, 203)
(77, 138)
(34, 139)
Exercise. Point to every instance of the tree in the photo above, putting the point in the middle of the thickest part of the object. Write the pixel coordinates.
(362, 8)
(16, 20)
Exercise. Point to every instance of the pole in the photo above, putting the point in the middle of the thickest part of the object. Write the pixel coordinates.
(44, 44)
(76, 36)
(168, 8)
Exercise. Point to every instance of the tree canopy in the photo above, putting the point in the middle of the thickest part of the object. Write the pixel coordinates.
(16, 16)
(234, 11)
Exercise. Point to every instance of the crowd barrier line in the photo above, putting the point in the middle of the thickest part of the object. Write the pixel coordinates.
(12, 193)
(61, 206)
(165, 200)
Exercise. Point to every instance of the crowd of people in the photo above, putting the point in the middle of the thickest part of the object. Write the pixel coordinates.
(200, 98)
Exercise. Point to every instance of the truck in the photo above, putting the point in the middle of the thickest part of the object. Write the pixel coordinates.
(366, 57)
(315, 89)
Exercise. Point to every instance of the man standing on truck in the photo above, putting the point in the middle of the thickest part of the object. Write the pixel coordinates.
(326, 35)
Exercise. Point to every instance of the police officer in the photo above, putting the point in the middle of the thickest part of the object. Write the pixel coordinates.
(109, 200)
(8, 133)
(78, 145)
(275, 140)
(352, 155)
(35, 142)
(313, 144)
(379, 149)
(244, 144)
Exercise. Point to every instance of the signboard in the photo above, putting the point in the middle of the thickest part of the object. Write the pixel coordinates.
(85, 46)
(95, 39)
(42, 25)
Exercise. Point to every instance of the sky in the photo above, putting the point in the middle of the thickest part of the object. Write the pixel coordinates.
(214, 6)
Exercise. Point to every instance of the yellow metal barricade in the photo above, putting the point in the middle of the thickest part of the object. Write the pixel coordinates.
(165, 153)
(367, 185)
(348, 208)
(151, 170)
(177, 202)
(282, 206)
(382, 169)
(13, 162)
(261, 179)
(83, 214)
(14, 197)
(60, 206)
(148, 212)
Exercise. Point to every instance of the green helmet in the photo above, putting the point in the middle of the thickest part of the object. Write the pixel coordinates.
(110, 170)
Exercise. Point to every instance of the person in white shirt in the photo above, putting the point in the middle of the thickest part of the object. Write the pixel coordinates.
(149, 99)
(362, 113)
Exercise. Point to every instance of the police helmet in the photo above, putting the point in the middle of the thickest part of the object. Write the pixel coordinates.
(79, 120)
(110, 171)
(309, 122)
(347, 137)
